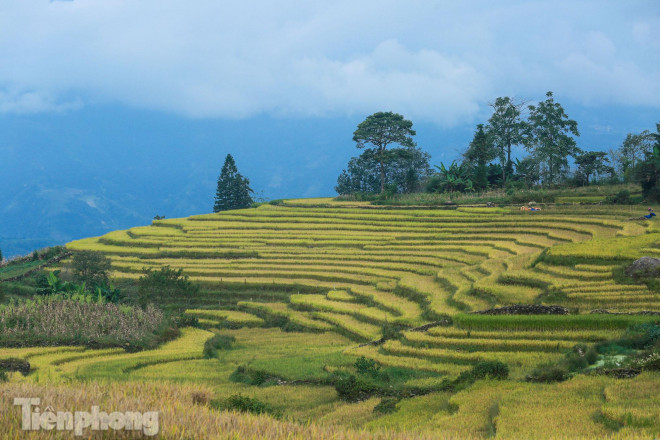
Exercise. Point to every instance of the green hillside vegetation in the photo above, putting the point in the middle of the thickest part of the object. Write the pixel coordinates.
(357, 316)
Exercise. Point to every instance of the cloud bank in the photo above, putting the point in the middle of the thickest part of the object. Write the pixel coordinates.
(433, 61)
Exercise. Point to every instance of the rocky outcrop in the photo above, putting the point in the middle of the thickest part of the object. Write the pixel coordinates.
(645, 267)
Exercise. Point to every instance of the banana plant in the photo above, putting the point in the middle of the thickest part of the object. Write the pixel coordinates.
(455, 177)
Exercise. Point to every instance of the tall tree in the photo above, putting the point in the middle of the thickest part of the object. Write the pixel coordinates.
(233, 190)
(632, 151)
(478, 155)
(506, 128)
(548, 136)
(380, 130)
(647, 172)
(590, 163)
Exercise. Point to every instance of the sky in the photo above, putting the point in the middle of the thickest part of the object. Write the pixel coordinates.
(431, 61)
(137, 102)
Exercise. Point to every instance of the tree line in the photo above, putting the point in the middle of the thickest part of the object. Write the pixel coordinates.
(391, 162)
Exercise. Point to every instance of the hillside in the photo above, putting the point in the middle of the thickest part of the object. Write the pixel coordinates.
(388, 264)
(297, 290)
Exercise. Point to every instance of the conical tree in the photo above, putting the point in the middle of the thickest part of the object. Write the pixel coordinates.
(478, 155)
(234, 190)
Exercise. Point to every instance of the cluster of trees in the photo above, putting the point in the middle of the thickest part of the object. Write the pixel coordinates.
(544, 131)
(380, 169)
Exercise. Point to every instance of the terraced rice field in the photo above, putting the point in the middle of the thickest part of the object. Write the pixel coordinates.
(354, 269)
(402, 266)
(304, 287)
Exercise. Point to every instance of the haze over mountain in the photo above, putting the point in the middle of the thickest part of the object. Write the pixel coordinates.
(111, 113)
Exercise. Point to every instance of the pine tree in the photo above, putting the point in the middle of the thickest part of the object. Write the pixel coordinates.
(234, 190)
(478, 155)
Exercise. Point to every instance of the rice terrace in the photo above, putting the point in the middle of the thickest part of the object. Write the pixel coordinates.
(358, 316)
(330, 220)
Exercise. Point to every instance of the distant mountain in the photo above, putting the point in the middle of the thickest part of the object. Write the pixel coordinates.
(65, 176)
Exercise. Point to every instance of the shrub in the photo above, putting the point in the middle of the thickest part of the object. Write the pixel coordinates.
(491, 370)
(366, 366)
(247, 376)
(621, 198)
(352, 388)
(217, 342)
(548, 374)
(91, 268)
(241, 403)
(575, 361)
(164, 284)
(14, 364)
(391, 331)
(3, 376)
(186, 320)
(591, 355)
(387, 405)
(649, 361)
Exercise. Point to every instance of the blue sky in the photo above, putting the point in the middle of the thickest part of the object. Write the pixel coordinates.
(135, 103)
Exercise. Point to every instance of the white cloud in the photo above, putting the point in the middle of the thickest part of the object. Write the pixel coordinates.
(30, 102)
(435, 61)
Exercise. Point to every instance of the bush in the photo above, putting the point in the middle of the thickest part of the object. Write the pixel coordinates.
(575, 362)
(366, 366)
(247, 376)
(648, 361)
(15, 364)
(91, 268)
(217, 342)
(621, 198)
(591, 355)
(352, 388)
(241, 403)
(548, 374)
(637, 337)
(164, 284)
(391, 331)
(387, 405)
(3, 376)
(490, 370)
(186, 320)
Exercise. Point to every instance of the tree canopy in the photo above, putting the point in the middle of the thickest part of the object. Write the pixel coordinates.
(591, 163)
(378, 131)
(233, 190)
(405, 170)
(91, 268)
(506, 128)
(549, 138)
(647, 172)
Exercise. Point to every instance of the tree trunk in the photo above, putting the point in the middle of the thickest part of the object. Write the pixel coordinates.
(508, 160)
(382, 176)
